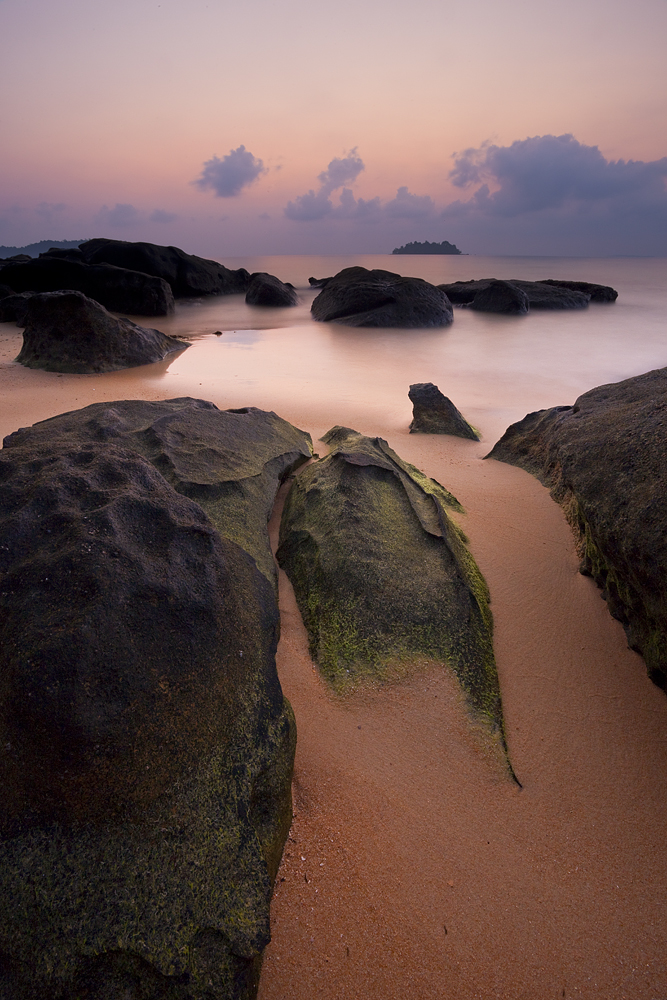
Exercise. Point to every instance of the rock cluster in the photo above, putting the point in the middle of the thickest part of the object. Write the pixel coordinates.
(604, 460)
(359, 297)
(147, 746)
(517, 296)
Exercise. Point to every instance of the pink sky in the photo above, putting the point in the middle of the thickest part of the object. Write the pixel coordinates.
(121, 105)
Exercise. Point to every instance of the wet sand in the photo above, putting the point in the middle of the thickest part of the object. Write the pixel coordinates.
(415, 868)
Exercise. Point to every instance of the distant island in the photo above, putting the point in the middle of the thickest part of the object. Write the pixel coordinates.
(34, 249)
(427, 247)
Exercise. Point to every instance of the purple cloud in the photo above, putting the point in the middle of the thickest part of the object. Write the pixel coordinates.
(228, 176)
(119, 215)
(159, 215)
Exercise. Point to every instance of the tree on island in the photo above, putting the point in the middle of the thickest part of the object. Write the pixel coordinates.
(427, 247)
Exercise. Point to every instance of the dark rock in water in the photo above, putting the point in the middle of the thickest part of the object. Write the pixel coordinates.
(231, 462)
(267, 290)
(13, 307)
(544, 296)
(541, 295)
(381, 574)
(358, 297)
(604, 461)
(598, 293)
(115, 288)
(501, 297)
(68, 332)
(434, 413)
(319, 282)
(5, 290)
(186, 274)
(147, 747)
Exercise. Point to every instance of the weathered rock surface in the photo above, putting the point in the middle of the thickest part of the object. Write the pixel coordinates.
(267, 290)
(116, 288)
(541, 294)
(359, 297)
(598, 293)
(434, 413)
(13, 307)
(501, 297)
(231, 462)
(604, 461)
(319, 282)
(381, 574)
(147, 746)
(187, 274)
(68, 332)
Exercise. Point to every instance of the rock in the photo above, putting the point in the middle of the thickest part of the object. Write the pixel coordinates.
(17, 258)
(5, 290)
(604, 461)
(267, 290)
(13, 308)
(186, 274)
(381, 574)
(116, 288)
(231, 462)
(541, 294)
(319, 282)
(358, 297)
(598, 293)
(434, 413)
(501, 297)
(147, 746)
(68, 332)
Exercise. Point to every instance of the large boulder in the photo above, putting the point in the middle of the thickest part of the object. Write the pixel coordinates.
(116, 288)
(267, 290)
(147, 746)
(382, 575)
(434, 413)
(68, 332)
(550, 294)
(501, 297)
(604, 461)
(186, 274)
(231, 462)
(359, 297)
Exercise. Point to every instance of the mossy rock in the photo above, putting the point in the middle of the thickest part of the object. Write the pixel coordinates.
(382, 574)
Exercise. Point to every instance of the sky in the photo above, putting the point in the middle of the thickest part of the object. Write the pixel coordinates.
(232, 129)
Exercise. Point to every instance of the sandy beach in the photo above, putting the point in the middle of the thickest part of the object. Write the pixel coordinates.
(415, 868)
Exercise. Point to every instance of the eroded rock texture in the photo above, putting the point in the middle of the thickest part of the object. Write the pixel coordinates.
(605, 461)
(267, 290)
(359, 297)
(434, 413)
(382, 575)
(68, 332)
(147, 746)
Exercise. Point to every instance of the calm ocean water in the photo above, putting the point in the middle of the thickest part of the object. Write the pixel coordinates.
(495, 368)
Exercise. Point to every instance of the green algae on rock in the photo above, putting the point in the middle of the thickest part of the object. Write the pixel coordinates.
(382, 575)
(604, 460)
(147, 746)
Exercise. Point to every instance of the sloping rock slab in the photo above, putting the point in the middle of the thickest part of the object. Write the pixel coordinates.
(382, 575)
(231, 462)
(434, 413)
(267, 290)
(68, 332)
(540, 294)
(187, 274)
(359, 297)
(605, 462)
(147, 747)
(116, 288)
(598, 293)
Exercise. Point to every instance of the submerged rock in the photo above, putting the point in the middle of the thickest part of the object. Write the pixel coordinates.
(68, 332)
(434, 413)
(187, 274)
(382, 575)
(501, 297)
(116, 288)
(540, 294)
(603, 460)
(148, 748)
(267, 290)
(359, 297)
